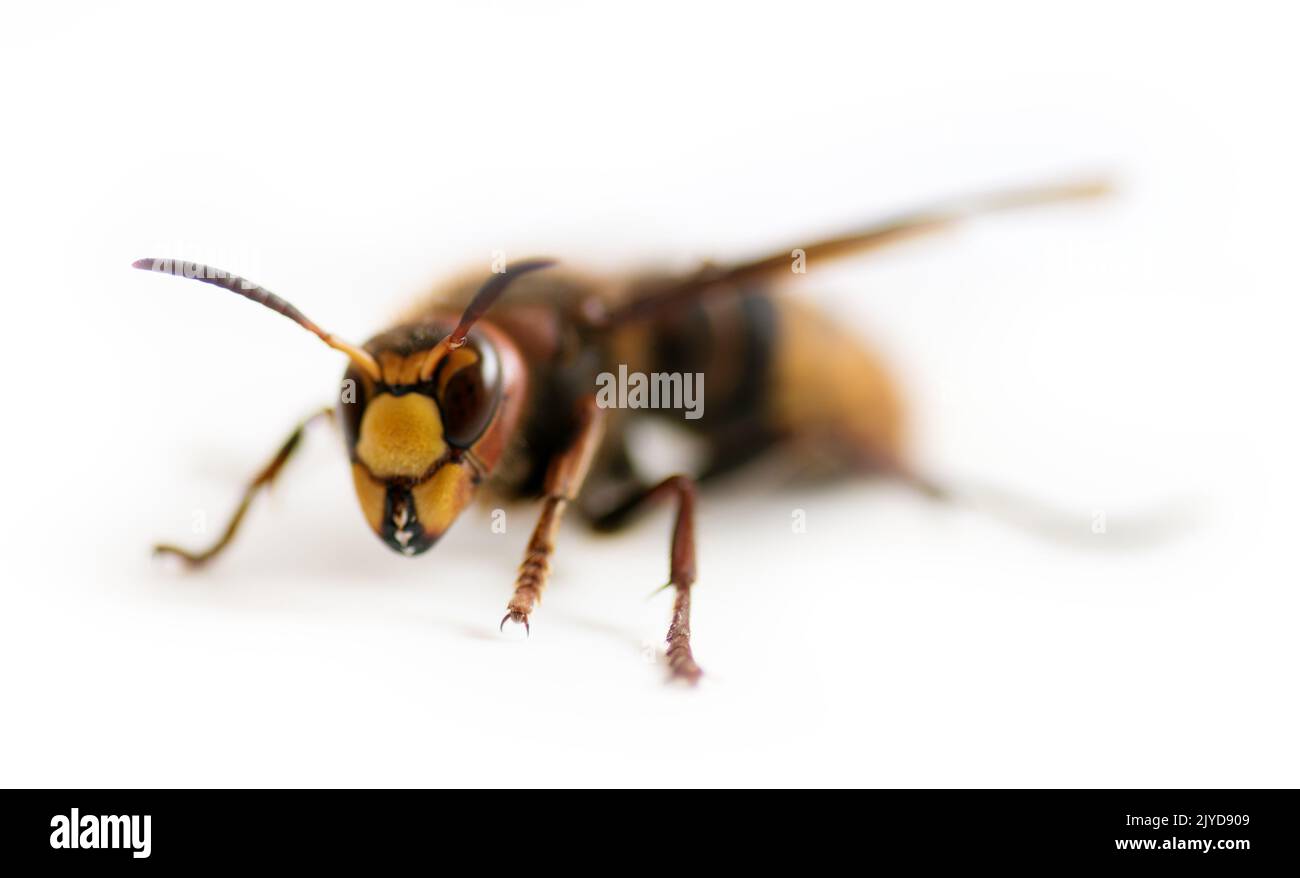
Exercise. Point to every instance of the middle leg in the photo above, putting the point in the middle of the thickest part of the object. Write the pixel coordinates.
(681, 568)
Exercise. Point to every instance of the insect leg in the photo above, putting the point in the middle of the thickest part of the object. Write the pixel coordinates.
(261, 480)
(564, 478)
(1029, 514)
(681, 570)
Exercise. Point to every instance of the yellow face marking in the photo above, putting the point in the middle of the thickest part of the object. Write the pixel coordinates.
(399, 370)
(371, 495)
(400, 436)
(439, 500)
(458, 359)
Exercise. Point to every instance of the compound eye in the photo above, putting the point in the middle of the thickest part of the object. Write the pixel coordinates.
(468, 388)
(352, 405)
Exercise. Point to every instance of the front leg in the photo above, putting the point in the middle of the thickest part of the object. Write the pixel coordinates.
(564, 478)
(262, 480)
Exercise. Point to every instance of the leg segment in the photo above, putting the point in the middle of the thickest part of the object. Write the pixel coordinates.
(261, 480)
(681, 571)
(564, 479)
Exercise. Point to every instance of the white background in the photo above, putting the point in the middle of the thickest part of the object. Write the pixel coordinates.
(1111, 358)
